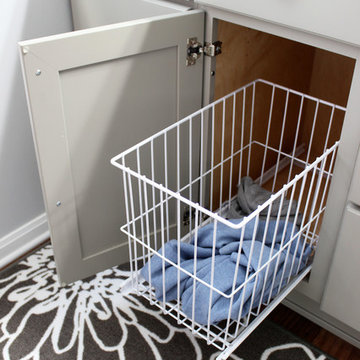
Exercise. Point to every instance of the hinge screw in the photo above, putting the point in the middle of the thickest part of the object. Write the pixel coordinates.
(212, 73)
(58, 203)
(38, 72)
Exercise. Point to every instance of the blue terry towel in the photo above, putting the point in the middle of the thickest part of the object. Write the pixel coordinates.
(263, 286)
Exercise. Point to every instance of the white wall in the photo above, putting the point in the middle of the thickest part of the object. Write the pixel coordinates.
(22, 218)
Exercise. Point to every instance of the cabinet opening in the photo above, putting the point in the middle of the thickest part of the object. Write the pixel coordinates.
(307, 129)
(224, 207)
(240, 249)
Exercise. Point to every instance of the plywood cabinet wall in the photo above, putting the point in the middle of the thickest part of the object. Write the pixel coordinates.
(250, 54)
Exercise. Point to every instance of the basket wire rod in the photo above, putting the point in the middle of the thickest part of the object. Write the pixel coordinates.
(166, 185)
(195, 270)
(329, 127)
(178, 159)
(163, 249)
(248, 266)
(313, 206)
(259, 269)
(249, 217)
(212, 158)
(234, 281)
(182, 270)
(215, 215)
(180, 122)
(283, 236)
(251, 126)
(153, 191)
(178, 257)
(251, 312)
(258, 320)
(178, 217)
(232, 147)
(211, 281)
(190, 170)
(267, 133)
(140, 202)
(252, 298)
(308, 200)
(303, 219)
(271, 258)
(242, 133)
(295, 159)
(195, 180)
(256, 313)
(201, 160)
(276, 255)
(300, 94)
(133, 229)
(312, 132)
(199, 330)
(298, 233)
(207, 107)
(296, 138)
(324, 194)
(222, 152)
(281, 140)
(128, 222)
(147, 235)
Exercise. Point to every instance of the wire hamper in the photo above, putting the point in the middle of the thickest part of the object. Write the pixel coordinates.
(185, 179)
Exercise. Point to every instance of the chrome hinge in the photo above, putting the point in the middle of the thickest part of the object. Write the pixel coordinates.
(195, 49)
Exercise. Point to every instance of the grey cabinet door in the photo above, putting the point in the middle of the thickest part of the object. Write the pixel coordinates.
(92, 94)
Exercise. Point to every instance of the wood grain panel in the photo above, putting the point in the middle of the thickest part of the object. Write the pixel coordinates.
(330, 80)
(250, 54)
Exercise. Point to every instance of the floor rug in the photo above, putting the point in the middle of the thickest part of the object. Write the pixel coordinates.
(91, 320)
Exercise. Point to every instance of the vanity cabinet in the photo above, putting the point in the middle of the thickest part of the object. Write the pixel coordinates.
(97, 91)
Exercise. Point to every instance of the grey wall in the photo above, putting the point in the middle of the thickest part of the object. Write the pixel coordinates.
(20, 192)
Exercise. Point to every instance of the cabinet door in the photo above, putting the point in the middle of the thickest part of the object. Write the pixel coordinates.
(341, 298)
(92, 94)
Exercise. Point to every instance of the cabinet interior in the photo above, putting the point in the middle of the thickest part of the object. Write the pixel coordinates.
(249, 54)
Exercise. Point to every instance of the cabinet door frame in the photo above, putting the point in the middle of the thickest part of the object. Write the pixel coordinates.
(43, 60)
(349, 141)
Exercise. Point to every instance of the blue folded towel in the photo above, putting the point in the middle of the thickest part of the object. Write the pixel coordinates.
(263, 286)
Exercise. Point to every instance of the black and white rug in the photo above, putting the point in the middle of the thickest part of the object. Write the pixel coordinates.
(90, 320)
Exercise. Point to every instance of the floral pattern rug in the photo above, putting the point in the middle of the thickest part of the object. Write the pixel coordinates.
(90, 319)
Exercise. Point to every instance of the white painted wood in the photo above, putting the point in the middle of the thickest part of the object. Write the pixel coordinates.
(342, 293)
(23, 239)
(101, 91)
(336, 19)
(279, 30)
(354, 194)
(347, 151)
(91, 13)
(338, 194)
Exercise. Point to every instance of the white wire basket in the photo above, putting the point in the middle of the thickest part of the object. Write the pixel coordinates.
(196, 251)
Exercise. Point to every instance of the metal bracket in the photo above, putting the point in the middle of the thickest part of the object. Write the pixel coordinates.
(212, 49)
(195, 49)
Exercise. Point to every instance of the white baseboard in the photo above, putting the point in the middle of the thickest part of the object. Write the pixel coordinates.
(23, 239)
